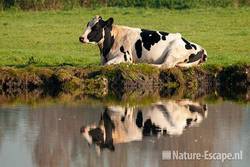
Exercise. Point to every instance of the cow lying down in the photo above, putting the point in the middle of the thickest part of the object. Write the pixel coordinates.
(126, 124)
(119, 44)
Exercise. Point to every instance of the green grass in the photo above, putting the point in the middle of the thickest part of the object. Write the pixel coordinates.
(50, 38)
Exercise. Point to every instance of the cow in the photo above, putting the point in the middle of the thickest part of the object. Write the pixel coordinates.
(126, 124)
(120, 44)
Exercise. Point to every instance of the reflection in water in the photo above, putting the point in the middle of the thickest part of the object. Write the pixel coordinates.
(126, 124)
(49, 135)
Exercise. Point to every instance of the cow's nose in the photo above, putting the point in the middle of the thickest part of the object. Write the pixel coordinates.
(81, 39)
(82, 130)
(204, 107)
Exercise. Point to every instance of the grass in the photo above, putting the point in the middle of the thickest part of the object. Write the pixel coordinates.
(50, 38)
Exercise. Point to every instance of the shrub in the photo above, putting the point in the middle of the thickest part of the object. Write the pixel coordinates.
(69, 4)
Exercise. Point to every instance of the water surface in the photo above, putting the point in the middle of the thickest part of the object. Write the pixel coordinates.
(50, 135)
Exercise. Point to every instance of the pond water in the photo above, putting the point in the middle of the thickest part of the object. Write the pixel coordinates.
(114, 135)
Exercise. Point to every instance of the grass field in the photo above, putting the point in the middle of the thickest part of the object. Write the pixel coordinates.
(50, 38)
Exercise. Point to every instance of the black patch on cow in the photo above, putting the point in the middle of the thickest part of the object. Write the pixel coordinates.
(96, 33)
(194, 46)
(194, 108)
(138, 48)
(109, 126)
(150, 128)
(195, 57)
(139, 119)
(123, 51)
(147, 127)
(97, 135)
(188, 44)
(125, 57)
(108, 42)
(163, 35)
(192, 58)
(188, 121)
(149, 38)
(204, 107)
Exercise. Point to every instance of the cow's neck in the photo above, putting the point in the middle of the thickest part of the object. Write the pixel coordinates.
(106, 45)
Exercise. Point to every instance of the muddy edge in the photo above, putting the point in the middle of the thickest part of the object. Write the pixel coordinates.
(125, 81)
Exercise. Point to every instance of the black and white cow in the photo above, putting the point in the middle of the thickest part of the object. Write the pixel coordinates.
(134, 45)
(126, 124)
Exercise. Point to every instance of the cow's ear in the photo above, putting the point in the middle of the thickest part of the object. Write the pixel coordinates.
(109, 22)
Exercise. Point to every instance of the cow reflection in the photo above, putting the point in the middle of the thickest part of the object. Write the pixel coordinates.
(126, 124)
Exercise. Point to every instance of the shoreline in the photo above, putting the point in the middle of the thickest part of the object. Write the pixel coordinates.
(125, 80)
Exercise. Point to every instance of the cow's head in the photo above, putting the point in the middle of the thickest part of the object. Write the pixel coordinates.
(94, 32)
(198, 113)
(100, 135)
(93, 134)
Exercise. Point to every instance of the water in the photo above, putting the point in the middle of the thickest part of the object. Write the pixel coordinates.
(49, 135)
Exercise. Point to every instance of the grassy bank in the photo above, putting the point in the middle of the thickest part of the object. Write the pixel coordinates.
(50, 38)
(129, 81)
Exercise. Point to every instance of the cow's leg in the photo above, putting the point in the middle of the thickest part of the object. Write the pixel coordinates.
(175, 53)
(185, 64)
(164, 65)
(179, 56)
(121, 58)
(169, 62)
(156, 65)
(116, 60)
(123, 55)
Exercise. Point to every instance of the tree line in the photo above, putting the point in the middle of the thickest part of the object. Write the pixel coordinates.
(69, 4)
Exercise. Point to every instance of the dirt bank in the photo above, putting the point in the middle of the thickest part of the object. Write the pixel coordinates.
(123, 81)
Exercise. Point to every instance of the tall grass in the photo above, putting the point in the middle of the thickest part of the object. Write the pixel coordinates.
(69, 4)
(51, 38)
